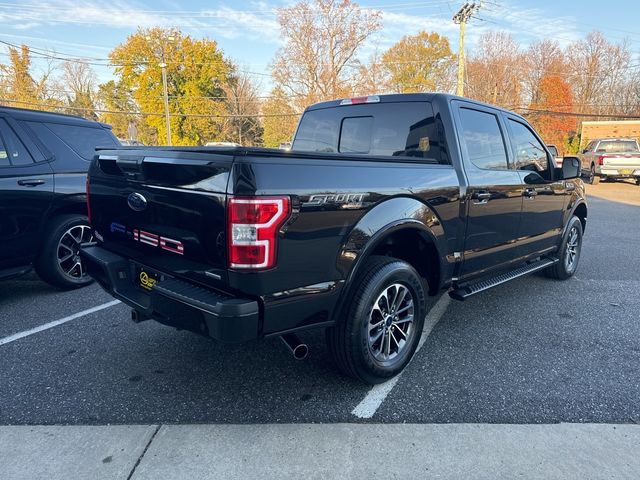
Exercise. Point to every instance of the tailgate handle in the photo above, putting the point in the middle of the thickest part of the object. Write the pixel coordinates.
(129, 164)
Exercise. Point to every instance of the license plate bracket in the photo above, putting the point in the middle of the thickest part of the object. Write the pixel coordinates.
(146, 278)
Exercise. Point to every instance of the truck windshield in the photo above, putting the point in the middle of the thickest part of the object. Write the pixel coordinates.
(617, 146)
(403, 130)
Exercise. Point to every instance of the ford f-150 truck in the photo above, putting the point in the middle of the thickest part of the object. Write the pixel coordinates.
(611, 159)
(381, 201)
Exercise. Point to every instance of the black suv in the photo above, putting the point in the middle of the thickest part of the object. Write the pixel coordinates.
(44, 158)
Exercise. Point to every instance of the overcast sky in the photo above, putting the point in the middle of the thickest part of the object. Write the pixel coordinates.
(248, 32)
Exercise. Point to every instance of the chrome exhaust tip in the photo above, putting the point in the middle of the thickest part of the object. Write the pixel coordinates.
(298, 349)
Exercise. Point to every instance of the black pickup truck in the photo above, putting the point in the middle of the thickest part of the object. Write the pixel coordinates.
(381, 201)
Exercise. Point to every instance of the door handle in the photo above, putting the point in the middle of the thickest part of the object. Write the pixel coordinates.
(530, 193)
(31, 182)
(481, 197)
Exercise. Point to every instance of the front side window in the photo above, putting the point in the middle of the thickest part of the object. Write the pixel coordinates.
(12, 150)
(483, 139)
(530, 154)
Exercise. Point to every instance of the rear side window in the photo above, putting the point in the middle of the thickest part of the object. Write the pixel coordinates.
(403, 130)
(12, 150)
(483, 139)
(83, 140)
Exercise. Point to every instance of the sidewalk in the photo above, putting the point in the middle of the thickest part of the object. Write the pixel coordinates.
(359, 451)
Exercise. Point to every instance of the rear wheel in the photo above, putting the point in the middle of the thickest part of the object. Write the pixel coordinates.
(569, 252)
(59, 262)
(383, 321)
(593, 179)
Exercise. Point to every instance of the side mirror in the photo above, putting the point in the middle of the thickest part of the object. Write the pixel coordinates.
(570, 168)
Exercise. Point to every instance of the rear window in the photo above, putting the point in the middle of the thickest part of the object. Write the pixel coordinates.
(403, 130)
(82, 140)
(617, 146)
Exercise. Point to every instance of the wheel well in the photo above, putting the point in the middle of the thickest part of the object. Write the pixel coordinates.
(415, 248)
(581, 213)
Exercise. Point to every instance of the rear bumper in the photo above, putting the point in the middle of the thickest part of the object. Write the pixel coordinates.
(618, 171)
(175, 302)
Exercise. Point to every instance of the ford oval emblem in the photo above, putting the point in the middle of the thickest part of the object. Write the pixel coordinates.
(136, 202)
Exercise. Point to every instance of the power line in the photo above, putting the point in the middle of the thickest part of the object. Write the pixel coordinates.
(145, 114)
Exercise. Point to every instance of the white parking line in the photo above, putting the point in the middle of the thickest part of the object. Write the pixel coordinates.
(374, 398)
(55, 323)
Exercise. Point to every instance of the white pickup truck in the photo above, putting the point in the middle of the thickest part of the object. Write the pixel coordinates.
(611, 158)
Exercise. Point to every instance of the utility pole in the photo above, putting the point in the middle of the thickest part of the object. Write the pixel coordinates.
(461, 18)
(163, 66)
(165, 90)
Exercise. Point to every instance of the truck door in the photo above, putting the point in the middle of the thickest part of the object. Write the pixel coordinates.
(543, 198)
(26, 191)
(494, 193)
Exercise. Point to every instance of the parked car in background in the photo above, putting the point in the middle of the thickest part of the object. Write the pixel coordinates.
(130, 143)
(611, 159)
(222, 144)
(557, 158)
(381, 201)
(44, 158)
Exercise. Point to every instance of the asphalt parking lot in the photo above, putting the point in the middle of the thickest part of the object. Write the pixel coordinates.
(530, 351)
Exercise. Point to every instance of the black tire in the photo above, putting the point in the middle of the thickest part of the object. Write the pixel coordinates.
(349, 341)
(638, 181)
(565, 268)
(55, 248)
(593, 179)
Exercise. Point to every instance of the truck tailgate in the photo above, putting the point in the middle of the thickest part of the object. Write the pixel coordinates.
(163, 209)
(621, 161)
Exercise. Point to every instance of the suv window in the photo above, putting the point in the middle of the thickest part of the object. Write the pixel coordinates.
(483, 139)
(12, 150)
(530, 154)
(82, 140)
(403, 129)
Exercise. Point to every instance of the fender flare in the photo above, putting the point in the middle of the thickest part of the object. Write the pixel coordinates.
(388, 217)
(571, 212)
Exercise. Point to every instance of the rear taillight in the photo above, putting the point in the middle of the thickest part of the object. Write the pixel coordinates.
(88, 202)
(601, 159)
(252, 229)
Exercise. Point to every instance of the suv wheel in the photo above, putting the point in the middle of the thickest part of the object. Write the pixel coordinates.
(59, 262)
(569, 252)
(593, 179)
(383, 322)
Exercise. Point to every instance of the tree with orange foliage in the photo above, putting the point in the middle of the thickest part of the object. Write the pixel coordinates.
(546, 115)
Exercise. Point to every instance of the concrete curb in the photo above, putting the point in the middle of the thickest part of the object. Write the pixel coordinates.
(355, 451)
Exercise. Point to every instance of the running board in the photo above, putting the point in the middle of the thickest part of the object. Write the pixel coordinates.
(462, 293)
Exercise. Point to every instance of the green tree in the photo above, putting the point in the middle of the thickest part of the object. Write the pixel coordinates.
(19, 87)
(420, 63)
(114, 97)
(280, 119)
(196, 74)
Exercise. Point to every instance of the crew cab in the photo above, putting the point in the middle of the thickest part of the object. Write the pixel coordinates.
(44, 159)
(381, 202)
(611, 159)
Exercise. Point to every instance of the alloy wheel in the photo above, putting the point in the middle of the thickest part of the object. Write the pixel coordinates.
(573, 249)
(390, 326)
(68, 250)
